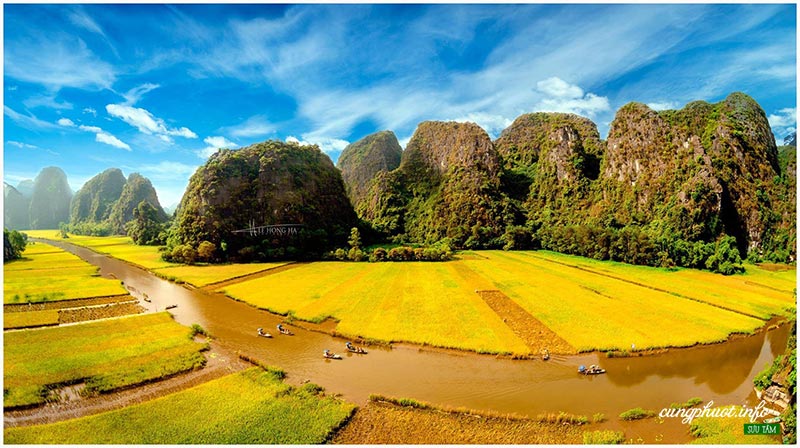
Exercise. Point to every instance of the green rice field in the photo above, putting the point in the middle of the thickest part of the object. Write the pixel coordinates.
(251, 407)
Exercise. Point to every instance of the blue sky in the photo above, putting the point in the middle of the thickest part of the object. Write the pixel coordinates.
(156, 88)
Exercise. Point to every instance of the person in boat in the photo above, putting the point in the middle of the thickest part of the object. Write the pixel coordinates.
(280, 328)
(261, 332)
(326, 353)
(349, 345)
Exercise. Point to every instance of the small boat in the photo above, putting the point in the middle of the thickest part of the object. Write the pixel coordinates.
(263, 333)
(592, 370)
(545, 355)
(285, 331)
(352, 348)
(327, 354)
(169, 307)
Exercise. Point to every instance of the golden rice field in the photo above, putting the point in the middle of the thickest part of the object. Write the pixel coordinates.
(594, 306)
(205, 275)
(149, 257)
(30, 319)
(426, 303)
(250, 407)
(47, 273)
(597, 312)
(106, 355)
(757, 292)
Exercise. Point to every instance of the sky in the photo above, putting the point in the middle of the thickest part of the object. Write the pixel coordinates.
(156, 89)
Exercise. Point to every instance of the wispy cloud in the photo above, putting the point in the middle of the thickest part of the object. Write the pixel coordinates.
(47, 100)
(56, 60)
(167, 169)
(89, 110)
(255, 126)
(133, 95)
(27, 121)
(21, 145)
(561, 96)
(215, 143)
(146, 123)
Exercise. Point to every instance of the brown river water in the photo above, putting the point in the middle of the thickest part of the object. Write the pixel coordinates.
(719, 372)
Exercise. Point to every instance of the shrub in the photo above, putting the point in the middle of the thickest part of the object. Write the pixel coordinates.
(206, 250)
(378, 254)
(636, 414)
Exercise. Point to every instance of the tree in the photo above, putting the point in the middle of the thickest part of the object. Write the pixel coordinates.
(355, 238)
(13, 244)
(145, 226)
(205, 251)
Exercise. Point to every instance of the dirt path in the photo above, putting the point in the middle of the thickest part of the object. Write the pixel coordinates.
(219, 363)
(529, 329)
(254, 275)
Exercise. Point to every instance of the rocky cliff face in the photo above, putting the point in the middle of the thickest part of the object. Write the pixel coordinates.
(361, 161)
(50, 199)
(450, 173)
(137, 189)
(95, 200)
(265, 184)
(15, 209)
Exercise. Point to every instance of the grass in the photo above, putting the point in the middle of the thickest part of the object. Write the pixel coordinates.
(726, 431)
(636, 414)
(382, 422)
(603, 437)
(30, 319)
(107, 355)
(47, 273)
(250, 407)
(205, 275)
(597, 312)
(425, 303)
(692, 402)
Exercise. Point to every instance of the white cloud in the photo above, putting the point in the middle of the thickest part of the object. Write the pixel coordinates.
(666, 105)
(89, 110)
(104, 137)
(101, 136)
(783, 118)
(558, 88)
(561, 96)
(79, 18)
(492, 124)
(21, 145)
(215, 143)
(56, 61)
(27, 121)
(255, 126)
(146, 123)
(326, 144)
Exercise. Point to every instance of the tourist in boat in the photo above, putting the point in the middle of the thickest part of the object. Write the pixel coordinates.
(280, 328)
(261, 332)
(350, 346)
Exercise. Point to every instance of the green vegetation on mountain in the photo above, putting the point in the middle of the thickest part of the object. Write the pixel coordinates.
(15, 208)
(92, 204)
(361, 161)
(50, 199)
(137, 189)
(266, 184)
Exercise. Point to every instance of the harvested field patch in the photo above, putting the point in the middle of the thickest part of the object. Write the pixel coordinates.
(83, 314)
(384, 423)
(72, 303)
(535, 334)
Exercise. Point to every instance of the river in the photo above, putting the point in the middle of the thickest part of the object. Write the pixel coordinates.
(720, 372)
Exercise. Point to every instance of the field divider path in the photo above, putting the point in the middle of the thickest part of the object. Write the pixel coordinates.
(219, 363)
(252, 276)
(644, 285)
